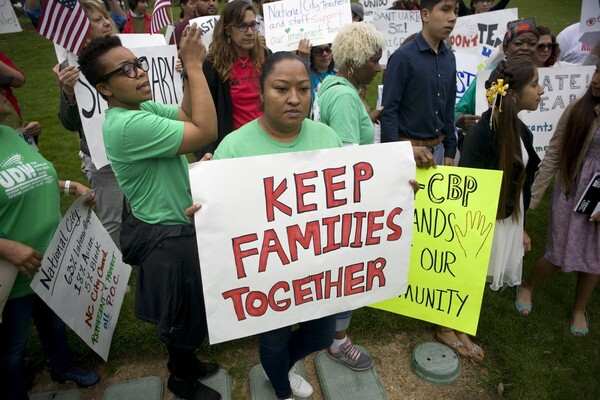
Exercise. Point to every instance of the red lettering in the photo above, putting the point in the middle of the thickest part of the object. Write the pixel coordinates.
(271, 197)
(311, 234)
(268, 248)
(346, 229)
(330, 222)
(350, 282)
(359, 216)
(302, 189)
(240, 254)
(373, 227)
(362, 172)
(396, 229)
(375, 269)
(89, 315)
(301, 295)
(329, 284)
(317, 280)
(279, 305)
(331, 187)
(236, 297)
(253, 310)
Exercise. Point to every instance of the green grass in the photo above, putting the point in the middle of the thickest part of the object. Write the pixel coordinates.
(535, 358)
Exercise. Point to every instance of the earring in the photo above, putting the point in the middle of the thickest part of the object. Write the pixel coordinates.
(228, 39)
(350, 71)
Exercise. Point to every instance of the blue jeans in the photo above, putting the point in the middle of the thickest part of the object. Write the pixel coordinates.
(281, 348)
(342, 320)
(14, 330)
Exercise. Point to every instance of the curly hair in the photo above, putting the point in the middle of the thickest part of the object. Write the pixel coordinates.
(542, 31)
(89, 58)
(355, 44)
(223, 54)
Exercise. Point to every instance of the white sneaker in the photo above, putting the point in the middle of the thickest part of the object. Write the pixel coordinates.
(300, 387)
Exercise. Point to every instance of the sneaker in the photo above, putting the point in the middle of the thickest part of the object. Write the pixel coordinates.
(299, 386)
(191, 389)
(202, 369)
(351, 356)
(83, 377)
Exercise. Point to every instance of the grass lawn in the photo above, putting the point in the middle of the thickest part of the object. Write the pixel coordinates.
(535, 357)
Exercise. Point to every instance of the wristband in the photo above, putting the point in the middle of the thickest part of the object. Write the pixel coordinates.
(67, 189)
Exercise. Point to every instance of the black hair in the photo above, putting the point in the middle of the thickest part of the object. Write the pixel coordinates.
(89, 64)
(331, 65)
(181, 3)
(132, 4)
(271, 61)
(429, 4)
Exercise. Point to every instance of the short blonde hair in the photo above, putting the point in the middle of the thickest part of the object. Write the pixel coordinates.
(355, 44)
(90, 6)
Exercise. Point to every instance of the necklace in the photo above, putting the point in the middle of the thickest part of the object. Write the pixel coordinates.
(244, 61)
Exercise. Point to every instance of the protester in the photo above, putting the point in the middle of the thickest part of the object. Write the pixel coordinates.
(480, 6)
(405, 5)
(285, 94)
(146, 143)
(29, 216)
(572, 50)
(109, 197)
(206, 7)
(232, 68)
(423, 72)
(188, 11)
(137, 19)
(358, 12)
(357, 49)
(573, 239)
(548, 51)
(321, 66)
(33, 10)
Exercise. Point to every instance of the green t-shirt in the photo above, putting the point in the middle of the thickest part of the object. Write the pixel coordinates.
(341, 108)
(29, 199)
(142, 148)
(252, 140)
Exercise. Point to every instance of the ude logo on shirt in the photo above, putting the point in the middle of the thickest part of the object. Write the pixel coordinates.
(18, 177)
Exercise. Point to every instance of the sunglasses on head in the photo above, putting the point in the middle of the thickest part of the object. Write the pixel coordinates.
(547, 46)
(322, 50)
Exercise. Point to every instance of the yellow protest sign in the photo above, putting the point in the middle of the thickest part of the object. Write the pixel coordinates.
(454, 220)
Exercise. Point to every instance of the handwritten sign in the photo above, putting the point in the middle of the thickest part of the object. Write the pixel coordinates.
(324, 232)
(289, 21)
(480, 34)
(8, 19)
(562, 86)
(82, 277)
(466, 72)
(372, 5)
(395, 26)
(165, 82)
(207, 25)
(590, 16)
(454, 219)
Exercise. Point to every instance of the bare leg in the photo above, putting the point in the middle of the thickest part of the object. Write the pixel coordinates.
(586, 283)
(541, 270)
(475, 350)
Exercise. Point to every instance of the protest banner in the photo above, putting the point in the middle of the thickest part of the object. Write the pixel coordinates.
(321, 232)
(480, 34)
(135, 40)
(395, 26)
(82, 278)
(466, 72)
(207, 25)
(8, 19)
(562, 86)
(590, 16)
(372, 5)
(289, 21)
(454, 219)
(165, 82)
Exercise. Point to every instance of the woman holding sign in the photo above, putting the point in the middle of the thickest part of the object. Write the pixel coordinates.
(285, 94)
(573, 238)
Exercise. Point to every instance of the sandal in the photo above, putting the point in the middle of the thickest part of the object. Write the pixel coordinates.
(476, 353)
(575, 331)
(458, 346)
(523, 309)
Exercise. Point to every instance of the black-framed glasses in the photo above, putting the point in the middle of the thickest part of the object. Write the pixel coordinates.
(545, 46)
(242, 27)
(322, 50)
(129, 69)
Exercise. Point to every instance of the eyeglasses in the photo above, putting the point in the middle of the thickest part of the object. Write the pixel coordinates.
(322, 50)
(547, 46)
(129, 69)
(244, 27)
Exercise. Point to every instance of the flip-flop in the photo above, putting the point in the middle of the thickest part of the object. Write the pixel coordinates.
(474, 352)
(456, 345)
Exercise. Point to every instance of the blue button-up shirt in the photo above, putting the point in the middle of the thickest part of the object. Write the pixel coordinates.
(419, 91)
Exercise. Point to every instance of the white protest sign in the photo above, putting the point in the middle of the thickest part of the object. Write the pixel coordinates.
(590, 16)
(8, 274)
(165, 82)
(480, 34)
(395, 26)
(289, 21)
(8, 19)
(562, 86)
(466, 71)
(371, 5)
(297, 236)
(207, 25)
(82, 277)
(135, 40)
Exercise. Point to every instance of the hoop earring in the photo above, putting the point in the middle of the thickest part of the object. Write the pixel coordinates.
(350, 71)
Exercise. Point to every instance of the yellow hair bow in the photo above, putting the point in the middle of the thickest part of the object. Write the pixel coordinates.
(497, 88)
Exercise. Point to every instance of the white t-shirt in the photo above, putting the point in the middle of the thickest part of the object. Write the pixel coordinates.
(571, 49)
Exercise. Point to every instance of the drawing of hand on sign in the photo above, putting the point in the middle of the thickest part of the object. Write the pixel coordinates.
(474, 235)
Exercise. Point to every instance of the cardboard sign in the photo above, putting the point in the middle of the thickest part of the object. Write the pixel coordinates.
(289, 21)
(8, 19)
(480, 34)
(82, 277)
(395, 26)
(562, 86)
(590, 16)
(298, 236)
(165, 81)
(207, 25)
(454, 219)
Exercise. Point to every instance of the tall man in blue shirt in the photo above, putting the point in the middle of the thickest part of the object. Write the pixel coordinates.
(419, 89)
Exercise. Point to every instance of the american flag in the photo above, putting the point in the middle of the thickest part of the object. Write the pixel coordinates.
(64, 22)
(160, 18)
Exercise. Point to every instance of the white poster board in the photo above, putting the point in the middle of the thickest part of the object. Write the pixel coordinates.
(135, 40)
(298, 236)
(289, 21)
(8, 19)
(480, 34)
(82, 277)
(395, 26)
(562, 86)
(466, 71)
(165, 82)
(371, 5)
(590, 16)
(207, 25)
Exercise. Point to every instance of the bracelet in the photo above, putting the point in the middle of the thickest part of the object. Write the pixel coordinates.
(67, 189)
